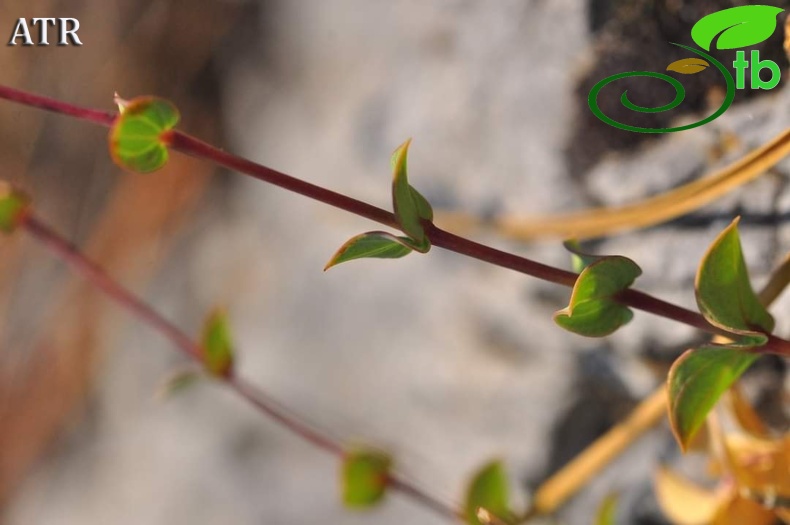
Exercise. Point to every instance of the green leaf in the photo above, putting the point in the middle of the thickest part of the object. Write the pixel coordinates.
(217, 347)
(579, 259)
(408, 204)
(424, 208)
(379, 245)
(138, 137)
(724, 295)
(489, 490)
(14, 206)
(741, 26)
(697, 380)
(607, 511)
(592, 311)
(365, 475)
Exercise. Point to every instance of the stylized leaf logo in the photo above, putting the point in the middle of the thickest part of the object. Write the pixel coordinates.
(736, 27)
(688, 66)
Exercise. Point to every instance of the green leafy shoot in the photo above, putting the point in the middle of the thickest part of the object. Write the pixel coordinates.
(14, 206)
(725, 297)
(607, 511)
(410, 209)
(724, 294)
(217, 347)
(579, 259)
(488, 491)
(365, 476)
(138, 137)
(593, 311)
(736, 27)
(409, 205)
(378, 245)
(696, 381)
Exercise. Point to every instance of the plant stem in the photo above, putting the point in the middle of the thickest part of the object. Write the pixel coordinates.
(191, 146)
(102, 118)
(438, 237)
(93, 273)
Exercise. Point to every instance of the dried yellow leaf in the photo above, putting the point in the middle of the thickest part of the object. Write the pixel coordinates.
(761, 467)
(745, 415)
(684, 502)
(740, 511)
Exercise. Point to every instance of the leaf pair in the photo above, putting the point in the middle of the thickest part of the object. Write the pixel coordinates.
(215, 354)
(593, 310)
(725, 297)
(410, 207)
(139, 135)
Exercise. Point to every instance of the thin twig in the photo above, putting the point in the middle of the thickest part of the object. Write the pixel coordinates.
(438, 237)
(93, 273)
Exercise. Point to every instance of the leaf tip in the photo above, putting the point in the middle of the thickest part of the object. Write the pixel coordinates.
(122, 103)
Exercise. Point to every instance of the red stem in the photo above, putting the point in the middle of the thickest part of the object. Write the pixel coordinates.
(93, 273)
(102, 118)
(192, 146)
(197, 148)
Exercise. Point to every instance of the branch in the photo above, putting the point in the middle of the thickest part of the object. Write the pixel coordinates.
(192, 146)
(93, 273)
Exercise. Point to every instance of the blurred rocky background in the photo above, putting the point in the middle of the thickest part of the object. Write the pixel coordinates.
(444, 361)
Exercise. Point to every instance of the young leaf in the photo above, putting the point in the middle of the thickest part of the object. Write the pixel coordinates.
(14, 205)
(489, 491)
(592, 311)
(579, 259)
(178, 382)
(379, 245)
(404, 201)
(137, 137)
(217, 346)
(696, 381)
(688, 66)
(424, 209)
(365, 475)
(741, 26)
(724, 294)
(607, 511)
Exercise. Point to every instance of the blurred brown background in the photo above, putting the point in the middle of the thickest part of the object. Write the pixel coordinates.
(55, 329)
